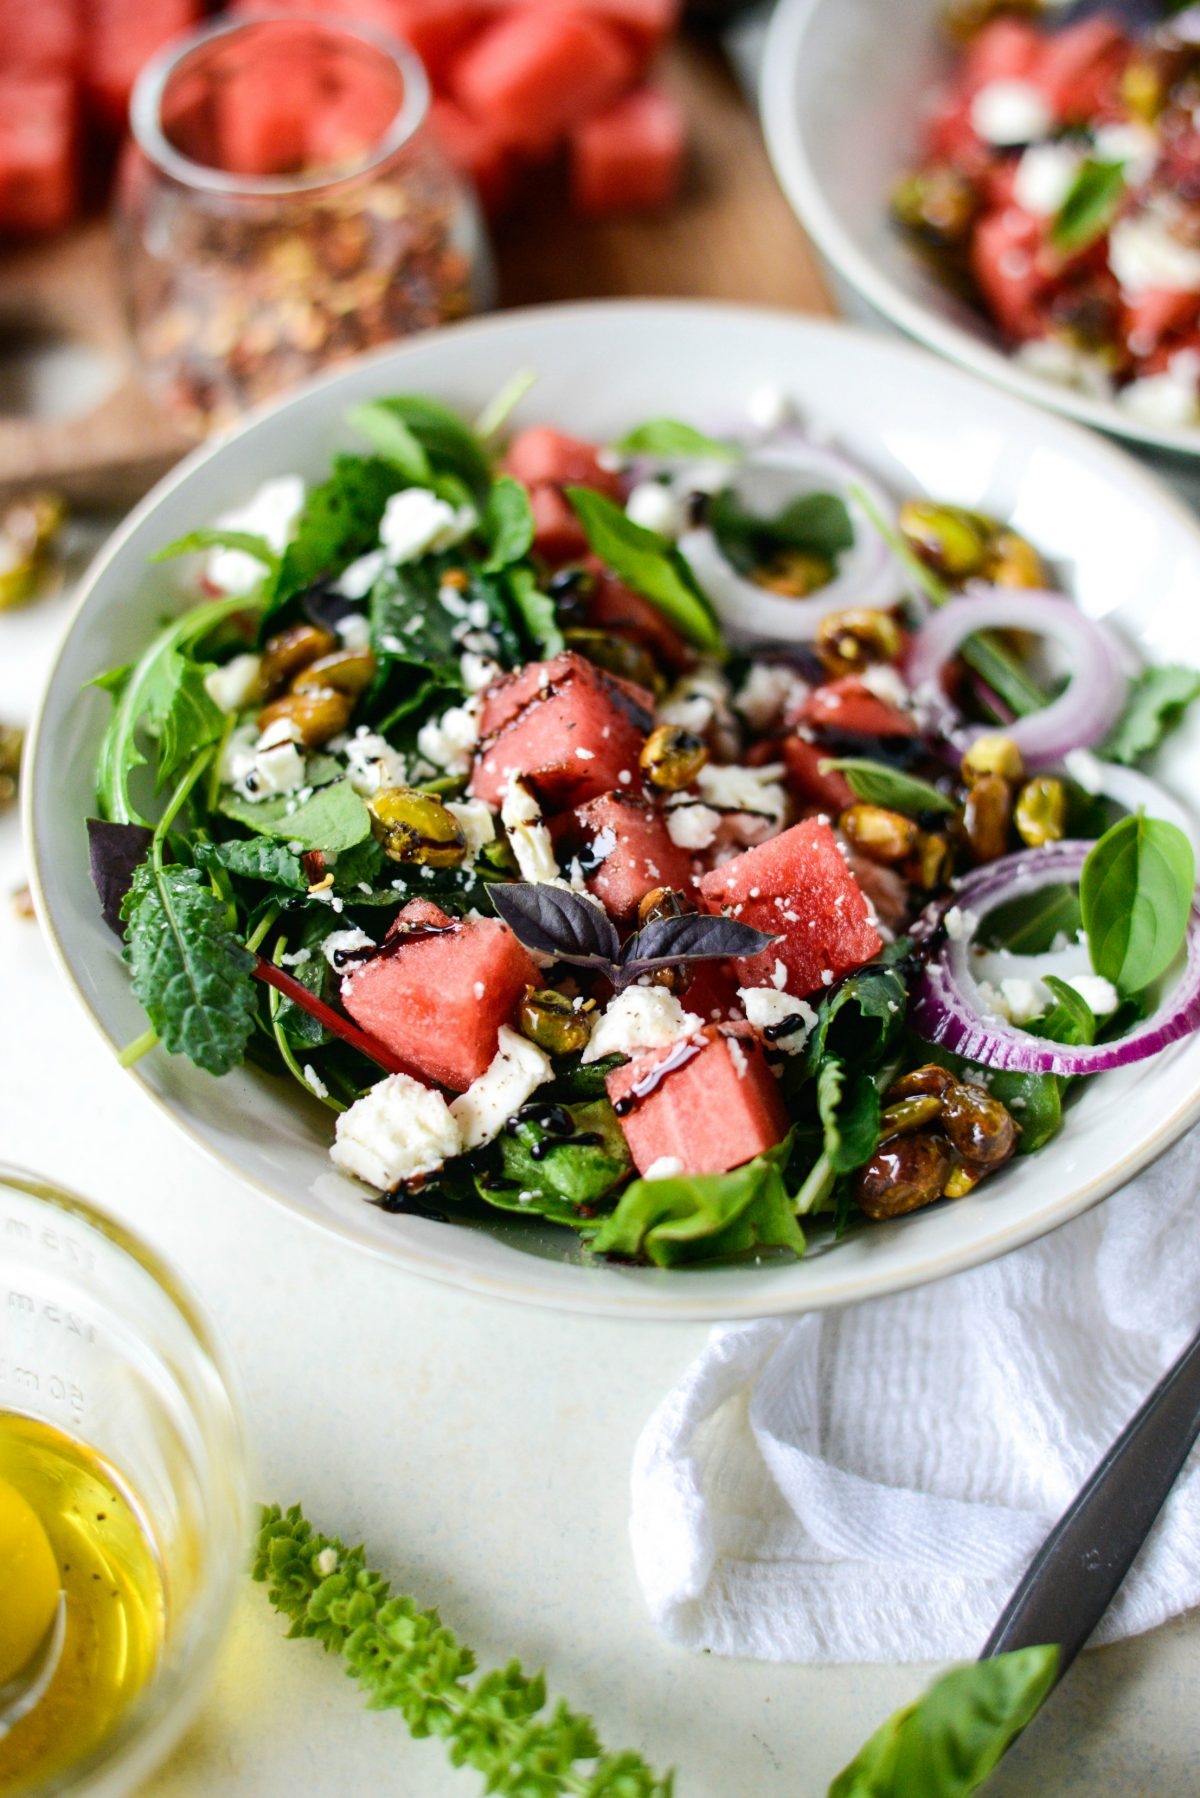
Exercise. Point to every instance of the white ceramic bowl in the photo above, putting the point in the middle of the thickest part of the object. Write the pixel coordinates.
(843, 82)
(1128, 549)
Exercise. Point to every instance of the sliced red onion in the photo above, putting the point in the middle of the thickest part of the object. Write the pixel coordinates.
(949, 1009)
(770, 476)
(1082, 716)
(1133, 791)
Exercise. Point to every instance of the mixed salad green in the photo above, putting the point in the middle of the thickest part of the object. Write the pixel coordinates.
(671, 840)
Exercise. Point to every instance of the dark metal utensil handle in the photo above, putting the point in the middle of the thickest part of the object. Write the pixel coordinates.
(1075, 1573)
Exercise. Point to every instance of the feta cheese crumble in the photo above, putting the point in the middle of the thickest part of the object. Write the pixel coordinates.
(232, 685)
(271, 514)
(372, 763)
(396, 1131)
(517, 1069)
(769, 689)
(767, 1007)
(342, 948)
(1011, 112)
(476, 822)
(693, 826)
(656, 508)
(1146, 256)
(667, 1167)
(641, 1017)
(416, 522)
(521, 816)
(262, 767)
(449, 741)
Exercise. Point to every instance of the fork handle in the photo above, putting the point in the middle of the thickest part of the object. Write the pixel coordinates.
(1076, 1572)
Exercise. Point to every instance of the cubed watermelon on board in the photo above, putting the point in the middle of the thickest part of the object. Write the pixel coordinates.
(558, 535)
(798, 888)
(566, 727)
(120, 37)
(710, 1102)
(645, 24)
(542, 456)
(630, 157)
(848, 708)
(437, 1001)
(612, 606)
(533, 74)
(478, 154)
(39, 163)
(264, 115)
(624, 849)
(40, 37)
(808, 784)
(439, 30)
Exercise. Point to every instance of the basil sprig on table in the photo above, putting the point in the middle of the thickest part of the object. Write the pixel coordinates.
(555, 921)
(1136, 893)
(880, 785)
(648, 563)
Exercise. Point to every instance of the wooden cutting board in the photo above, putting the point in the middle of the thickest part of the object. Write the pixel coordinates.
(731, 237)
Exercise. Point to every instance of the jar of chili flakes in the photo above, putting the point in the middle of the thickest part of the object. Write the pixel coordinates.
(283, 206)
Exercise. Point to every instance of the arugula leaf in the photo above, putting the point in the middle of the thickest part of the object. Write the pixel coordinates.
(946, 1744)
(339, 521)
(507, 524)
(182, 715)
(1136, 893)
(114, 851)
(536, 611)
(1090, 205)
(675, 442)
(573, 1171)
(859, 1022)
(1156, 702)
(648, 563)
(446, 443)
(703, 1217)
(849, 1113)
(880, 785)
(191, 976)
(334, 819)
(815, 523)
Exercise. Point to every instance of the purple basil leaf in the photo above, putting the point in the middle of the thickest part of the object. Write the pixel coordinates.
(555, 921)
(114, 851)
(696, 937)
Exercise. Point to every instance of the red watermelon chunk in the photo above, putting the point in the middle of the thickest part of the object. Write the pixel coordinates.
(122, 35)
(848, 708)
(39, 173)
(716, 1105)
(797, 887)
(802, 761)
(558, 535)
(644, 23)
(1077, 68)
(1006, 49)
(711, 992)
(568, 728)
(39, 37)
(612, 606)
(627, 836)
(542, 456)
(630, 157)
(438, 1001)
(533, 74)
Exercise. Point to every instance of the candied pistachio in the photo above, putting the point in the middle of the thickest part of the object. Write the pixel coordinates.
(929, 1078)
(663, 902)
(346, 671)
(794, 573)
(12, 742)
(937, 203)
(416, 828)
(1144, 86)
(987, 815)
(1040, 813)
(290, 651)
(672, 757)
(910, 1113)
(883, 835)
(618, 654)
(318, 713)
(29, 525)
(553, 1021)
(962, 1180)
(857, 638)
(993, 753)
(978, 1126)
(950, 539)
(1012, 561)
(902, 1175)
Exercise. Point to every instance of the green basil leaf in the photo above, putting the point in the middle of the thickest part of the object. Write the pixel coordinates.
(1136, 893)
(1090, 205)
(816, 524)
(1035, 1100)
(1072, 1019)
(1031, 925)
(860, 1021)
(536, 611)
(878, 784)
(849, 1113)
(191, 975)
(333, 820)
(946, 1744)
(649, 564)
(507, 524)
(675, 442)
(391, 438)
(215, 537)
(1156, 702)
(339, 521)
(703, 1217)
(447, 443)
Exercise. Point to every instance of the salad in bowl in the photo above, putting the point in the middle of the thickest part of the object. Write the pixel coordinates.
(681, 840)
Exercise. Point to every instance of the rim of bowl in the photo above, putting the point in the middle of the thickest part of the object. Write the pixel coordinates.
(680, 1304)
(783, 54)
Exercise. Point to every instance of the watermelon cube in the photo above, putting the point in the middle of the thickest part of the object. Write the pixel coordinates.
(440, 990)
(798, 888)
(848, 708)
(1077, 68)
(545, 457)
(122, 35)
(39, 37)
(558, 535)
(438, 30)
(479, 155)
(264, 114)
(802, 760)
(39, 174)
(645, 24)
(710, 1102)
(568, 728)
(612, 606)
(1006, 49)
(711, 992)
(629, 158)
(624, 850)
(533, 74)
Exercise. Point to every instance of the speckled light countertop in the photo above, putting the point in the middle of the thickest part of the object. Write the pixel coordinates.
(482, 1452)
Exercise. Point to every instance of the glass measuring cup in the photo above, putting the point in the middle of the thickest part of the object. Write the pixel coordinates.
(99, 1341)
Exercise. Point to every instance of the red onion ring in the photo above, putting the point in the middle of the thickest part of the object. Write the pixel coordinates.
(947, 1006)
(1078, 719)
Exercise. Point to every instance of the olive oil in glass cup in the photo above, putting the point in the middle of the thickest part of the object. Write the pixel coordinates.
(124, 1508)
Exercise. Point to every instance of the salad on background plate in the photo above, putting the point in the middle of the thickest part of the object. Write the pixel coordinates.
(674, 839)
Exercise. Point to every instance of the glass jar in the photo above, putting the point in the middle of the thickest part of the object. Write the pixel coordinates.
(282, 206)
(101, 1343)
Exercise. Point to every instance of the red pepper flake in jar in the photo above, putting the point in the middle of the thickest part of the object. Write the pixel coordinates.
(264, 242)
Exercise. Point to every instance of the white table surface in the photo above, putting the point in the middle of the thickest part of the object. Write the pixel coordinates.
(482, 1452)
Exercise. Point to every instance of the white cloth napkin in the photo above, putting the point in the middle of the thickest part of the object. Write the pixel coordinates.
(870, 1484)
